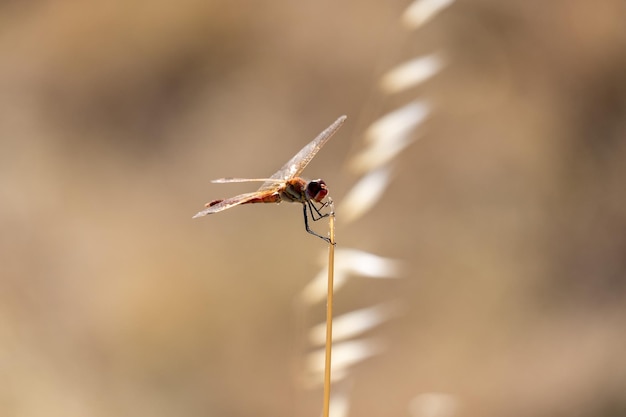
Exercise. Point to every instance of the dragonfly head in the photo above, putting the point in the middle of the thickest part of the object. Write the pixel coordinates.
(316, 190)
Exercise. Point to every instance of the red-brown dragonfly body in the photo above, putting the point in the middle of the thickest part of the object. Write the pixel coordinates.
(285, 184)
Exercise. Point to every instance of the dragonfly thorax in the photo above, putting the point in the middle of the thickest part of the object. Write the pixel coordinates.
(300, 191)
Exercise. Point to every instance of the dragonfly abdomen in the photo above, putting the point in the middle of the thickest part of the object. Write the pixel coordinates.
(268, 198)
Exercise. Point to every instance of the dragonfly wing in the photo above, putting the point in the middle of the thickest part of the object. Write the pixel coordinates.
(296, 165)
(226, 204)
(230, 179)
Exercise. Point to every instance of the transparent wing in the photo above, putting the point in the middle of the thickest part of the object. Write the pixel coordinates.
(226, 204)
(229, 180)
(296, 165)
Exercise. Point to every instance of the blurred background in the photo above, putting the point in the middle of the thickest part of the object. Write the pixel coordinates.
(509, 211)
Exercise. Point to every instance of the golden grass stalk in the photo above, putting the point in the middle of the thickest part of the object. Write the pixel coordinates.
(329, 309)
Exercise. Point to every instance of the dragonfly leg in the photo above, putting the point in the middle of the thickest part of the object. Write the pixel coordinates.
(313, 209)
(306, 224)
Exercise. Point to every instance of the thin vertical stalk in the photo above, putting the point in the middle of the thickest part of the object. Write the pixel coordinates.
(329, 309)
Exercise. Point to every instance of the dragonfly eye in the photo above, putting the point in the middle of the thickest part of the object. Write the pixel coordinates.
(316, 190)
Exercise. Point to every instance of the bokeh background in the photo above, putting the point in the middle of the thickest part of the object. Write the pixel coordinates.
(510, 210)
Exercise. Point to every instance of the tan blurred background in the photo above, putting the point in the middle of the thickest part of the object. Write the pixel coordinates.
(510, 210)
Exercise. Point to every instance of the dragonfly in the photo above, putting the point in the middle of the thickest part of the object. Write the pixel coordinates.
(285, 185)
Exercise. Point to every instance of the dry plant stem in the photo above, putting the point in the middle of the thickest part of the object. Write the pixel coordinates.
(329, 309)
